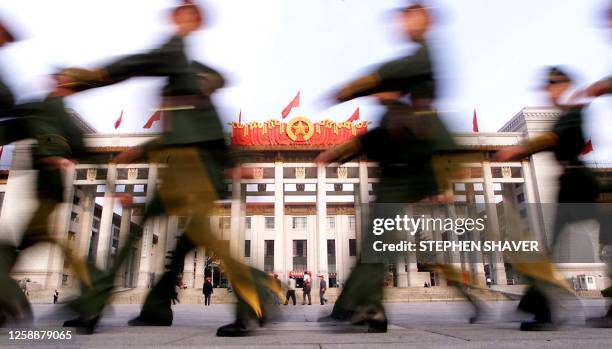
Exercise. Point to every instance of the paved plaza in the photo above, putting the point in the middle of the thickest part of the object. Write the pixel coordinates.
(413, 325)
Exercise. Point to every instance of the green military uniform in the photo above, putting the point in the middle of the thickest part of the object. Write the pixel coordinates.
(56, 135)
(405, 143)
(192, 144)
(577, 185)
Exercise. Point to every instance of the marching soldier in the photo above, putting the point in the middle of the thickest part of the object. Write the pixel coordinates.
(193, 147)
(405, 145)
(12, 302)
(58, 140)
(577, 186)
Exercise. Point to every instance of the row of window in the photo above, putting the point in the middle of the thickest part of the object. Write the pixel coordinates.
(300, 253)
(297, 223)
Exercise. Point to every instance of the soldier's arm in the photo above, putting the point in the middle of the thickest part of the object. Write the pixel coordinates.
(209, 79)
(341, 153)
(600, 88)
(533, 145)
(542, 142)
(392, 76)
(143, 64)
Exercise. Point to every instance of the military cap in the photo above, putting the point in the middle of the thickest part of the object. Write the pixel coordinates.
(555, 75)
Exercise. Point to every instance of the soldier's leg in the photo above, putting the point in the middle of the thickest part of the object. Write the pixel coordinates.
(91, 302)
(156, 309)
(364, 287)
(13, 303)
(605, 241)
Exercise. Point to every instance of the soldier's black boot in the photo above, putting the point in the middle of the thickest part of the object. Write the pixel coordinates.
(90, 304)
(235, 329)
(537, 303)
(373, 316)
(83, 326)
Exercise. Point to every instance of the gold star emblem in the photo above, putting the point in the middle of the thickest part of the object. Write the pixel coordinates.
(300, 126)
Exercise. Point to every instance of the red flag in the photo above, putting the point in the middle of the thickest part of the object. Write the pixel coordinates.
(1, 150)
(240, 117)
(294, 103)
(118, 122)
(588, 147)
(155, 117)
(355, 116)
(475, 122)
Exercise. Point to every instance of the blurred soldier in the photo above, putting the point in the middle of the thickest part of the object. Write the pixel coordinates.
(404, 145)
(58, 140)
(578, 187)
(12, 304)
(193, 147)
(7, 101)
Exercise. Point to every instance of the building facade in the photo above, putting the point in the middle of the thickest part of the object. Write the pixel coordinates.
(292, 216)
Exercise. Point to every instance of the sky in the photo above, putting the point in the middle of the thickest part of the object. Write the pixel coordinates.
(489, 55)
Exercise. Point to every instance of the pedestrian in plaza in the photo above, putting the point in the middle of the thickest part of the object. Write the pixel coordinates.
(291, 285)
(192, 146)
(307, 288)
(55, 296)
(322, 289)
(207, 290)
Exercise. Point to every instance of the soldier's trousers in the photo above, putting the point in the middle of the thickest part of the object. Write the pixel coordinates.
(50, 194)
(186, 191)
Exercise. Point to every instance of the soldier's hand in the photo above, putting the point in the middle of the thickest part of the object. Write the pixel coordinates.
(440, 199)
(56, 162)
(240, 172)
(511, 153)
(128, 156)
(126, 199)
(80, 75)
(325, 157)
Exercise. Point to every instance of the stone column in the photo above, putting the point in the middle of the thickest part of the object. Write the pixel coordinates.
(320, 254)
(124, 230)
(412, 272)
(496, 260)
(199, 268)
(144, 267)
(59, 227)
(236, 221)
(88, 203)
(188, 276)
(106, 221)
(533, 210)
(363, 200)
(454, 256)
(475, 259)
(279, 225)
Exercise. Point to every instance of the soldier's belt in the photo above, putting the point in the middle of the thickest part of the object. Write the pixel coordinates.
(173, 103)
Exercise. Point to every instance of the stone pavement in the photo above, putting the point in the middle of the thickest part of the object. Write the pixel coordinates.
(413, 325)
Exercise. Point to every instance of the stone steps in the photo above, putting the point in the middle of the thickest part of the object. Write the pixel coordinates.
(391, 295)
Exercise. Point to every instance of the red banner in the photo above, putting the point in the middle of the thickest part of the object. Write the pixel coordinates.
(298, 131)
